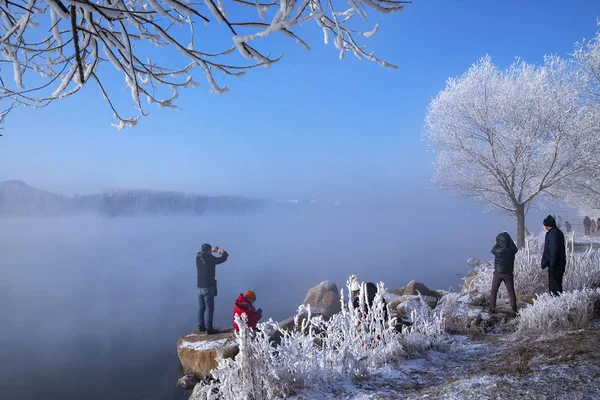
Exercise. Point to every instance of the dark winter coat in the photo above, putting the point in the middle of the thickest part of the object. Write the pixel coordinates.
(587, 222)
(205, 266)
(504, 250)
(555, 255)
(245, 306)
(356, 304)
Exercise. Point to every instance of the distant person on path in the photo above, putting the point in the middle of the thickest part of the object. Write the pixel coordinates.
(504, 265)
(568, 226)
(587, 224)
(245, 305)
(205, 266)
(555, 257)
(593, 227)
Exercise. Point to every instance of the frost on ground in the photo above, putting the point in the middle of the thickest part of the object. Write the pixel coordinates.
(353, 345)
(551, 350)
(203, 346)
(485, 367)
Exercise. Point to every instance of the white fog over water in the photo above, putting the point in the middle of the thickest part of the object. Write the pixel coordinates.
(97, 304)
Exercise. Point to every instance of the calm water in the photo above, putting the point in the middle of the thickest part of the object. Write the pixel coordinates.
(92, 308)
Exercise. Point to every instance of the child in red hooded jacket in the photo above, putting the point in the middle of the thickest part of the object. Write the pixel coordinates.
(244, 305)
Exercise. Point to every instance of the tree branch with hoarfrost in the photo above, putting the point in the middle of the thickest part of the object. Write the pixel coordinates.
(510, 137)
(55, 47)
(584, 191)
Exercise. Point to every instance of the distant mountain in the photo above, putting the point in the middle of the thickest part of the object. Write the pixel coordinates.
(19, 199)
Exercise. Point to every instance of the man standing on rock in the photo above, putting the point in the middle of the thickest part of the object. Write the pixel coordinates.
(555, 257)
(207, 285)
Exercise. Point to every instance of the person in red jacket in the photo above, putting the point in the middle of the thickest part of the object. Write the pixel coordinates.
(244, 305)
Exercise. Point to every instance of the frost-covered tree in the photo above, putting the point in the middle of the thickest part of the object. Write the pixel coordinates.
(510, 137)
(52, 48)
(585, 190)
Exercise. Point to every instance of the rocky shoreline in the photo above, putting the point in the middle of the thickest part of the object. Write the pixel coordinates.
(484, 350)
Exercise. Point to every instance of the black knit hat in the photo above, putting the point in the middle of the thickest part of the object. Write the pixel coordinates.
(549, 221)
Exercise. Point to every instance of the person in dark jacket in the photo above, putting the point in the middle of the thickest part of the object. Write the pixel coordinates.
(504, 266)
(205, 266)
(371, 289)
(587, 225)
(245, 305)
(555, 256)
(568, 226)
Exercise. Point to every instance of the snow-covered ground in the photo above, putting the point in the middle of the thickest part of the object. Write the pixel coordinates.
(485, 367)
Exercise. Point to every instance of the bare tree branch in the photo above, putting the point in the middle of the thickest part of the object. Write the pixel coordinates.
(36, 37)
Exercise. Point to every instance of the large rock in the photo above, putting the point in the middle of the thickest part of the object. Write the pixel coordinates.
(198, 353)
(414, 288)
(289, 323)
(460, 316)
(391, 295)
(467, 284)
(186, 382)
(324, 299)
(429, 300)
(473, 262)
(392, 305)
(407, 307)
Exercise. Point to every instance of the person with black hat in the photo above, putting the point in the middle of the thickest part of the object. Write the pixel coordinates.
(504, 252)
(568, 226)
(587, 225)
(554, 257)
(207, 285)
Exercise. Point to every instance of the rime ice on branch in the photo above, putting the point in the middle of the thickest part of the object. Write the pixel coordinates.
(56, 46)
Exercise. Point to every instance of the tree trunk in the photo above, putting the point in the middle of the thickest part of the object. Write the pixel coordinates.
(520, 213)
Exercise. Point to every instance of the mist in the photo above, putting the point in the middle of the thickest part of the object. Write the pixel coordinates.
(97, 304)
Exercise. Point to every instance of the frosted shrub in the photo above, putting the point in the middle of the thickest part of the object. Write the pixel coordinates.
(349, 345)
(554, 314)
(426, 329)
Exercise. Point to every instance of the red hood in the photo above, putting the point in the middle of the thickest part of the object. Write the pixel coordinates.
(244, 306)
(242, 301)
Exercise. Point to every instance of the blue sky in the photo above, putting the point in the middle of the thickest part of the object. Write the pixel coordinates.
(308, 124)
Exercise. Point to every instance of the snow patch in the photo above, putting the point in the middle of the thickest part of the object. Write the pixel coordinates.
(204, 345)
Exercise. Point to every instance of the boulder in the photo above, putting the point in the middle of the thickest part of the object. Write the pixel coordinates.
(198, 353)
(473, 262)
(462, 317)
(466, 288)
(429, 300)
(288, 323)
(479, 299)
(391, 295)
(392, 305)
(186, 382)
(407, 307)
(395, 291)
(324, 299)
(414, 288)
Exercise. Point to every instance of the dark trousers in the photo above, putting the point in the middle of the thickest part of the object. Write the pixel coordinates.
(206, 309)
(587, 230)
(555, 278)
(509, 282)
